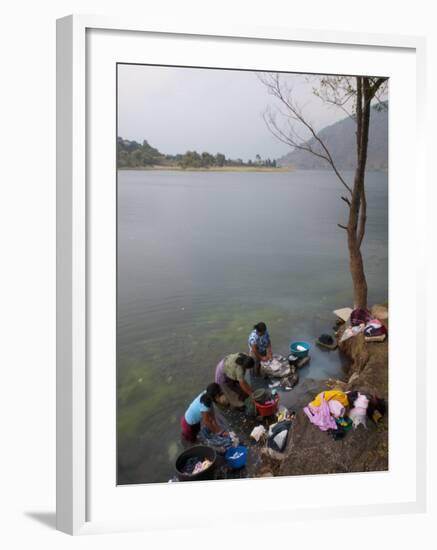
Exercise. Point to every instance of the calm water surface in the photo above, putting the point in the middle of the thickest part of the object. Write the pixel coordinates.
(201, 258)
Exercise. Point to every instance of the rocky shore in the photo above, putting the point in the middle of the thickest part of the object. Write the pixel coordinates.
(311, 451)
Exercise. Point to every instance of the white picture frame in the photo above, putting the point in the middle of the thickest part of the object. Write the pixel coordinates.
(75, 393)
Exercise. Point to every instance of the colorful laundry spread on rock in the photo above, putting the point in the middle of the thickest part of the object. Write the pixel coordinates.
(331, 394)
(320, 415)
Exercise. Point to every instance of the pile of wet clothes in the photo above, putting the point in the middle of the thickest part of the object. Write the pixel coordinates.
(219, 442)
(277, 367)
(335, 411)
(281, 371)
(361, 320)
(372, 327)
(195, 465)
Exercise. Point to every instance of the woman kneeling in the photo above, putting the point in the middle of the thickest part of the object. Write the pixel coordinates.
(201, 412)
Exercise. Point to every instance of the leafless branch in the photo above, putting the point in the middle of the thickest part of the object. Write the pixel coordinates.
(347, 201)
(284, 96)
(377, 84)
(337, 91)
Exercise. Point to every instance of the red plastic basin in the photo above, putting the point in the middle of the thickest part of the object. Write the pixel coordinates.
(267, 409)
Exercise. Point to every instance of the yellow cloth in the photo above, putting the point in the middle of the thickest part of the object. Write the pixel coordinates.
(331, 394)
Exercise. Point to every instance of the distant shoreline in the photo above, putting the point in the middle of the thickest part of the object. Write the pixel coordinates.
(212, 169)
(280, 169)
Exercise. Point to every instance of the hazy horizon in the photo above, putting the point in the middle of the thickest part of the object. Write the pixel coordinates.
(178, 109)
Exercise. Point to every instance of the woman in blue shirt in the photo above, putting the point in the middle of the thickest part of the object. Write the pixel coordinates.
(201, 412)
(260, 346)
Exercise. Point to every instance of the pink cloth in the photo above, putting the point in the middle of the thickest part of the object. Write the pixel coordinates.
(220, 373)
(336, 408)
(321, 416)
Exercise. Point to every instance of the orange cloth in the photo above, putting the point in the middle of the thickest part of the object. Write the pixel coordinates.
(331, 394)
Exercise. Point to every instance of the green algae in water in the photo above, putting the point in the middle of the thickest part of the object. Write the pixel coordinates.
(153, 391)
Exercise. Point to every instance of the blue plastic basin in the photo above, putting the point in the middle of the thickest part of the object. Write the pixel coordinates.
(236, 463)
(296, 352)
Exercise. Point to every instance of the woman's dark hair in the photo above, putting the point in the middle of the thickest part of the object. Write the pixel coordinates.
(212, 392)
(245, 361)
(260, 327)
(206, 400)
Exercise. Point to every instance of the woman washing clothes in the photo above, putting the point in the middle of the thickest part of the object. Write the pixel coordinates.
(260, 345)
(230, 374)
(200, 414)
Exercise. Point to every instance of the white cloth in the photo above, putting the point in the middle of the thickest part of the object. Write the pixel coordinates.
(280, 439)
(358, 414)
(257, 432)
(352, 331)
(357, 419)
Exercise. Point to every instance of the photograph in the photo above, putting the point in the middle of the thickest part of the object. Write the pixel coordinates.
(252, 273)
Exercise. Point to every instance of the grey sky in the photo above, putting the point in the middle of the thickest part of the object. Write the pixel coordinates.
(178, 109)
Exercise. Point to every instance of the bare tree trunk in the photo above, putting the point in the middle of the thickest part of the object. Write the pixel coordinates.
(357, 214)
(356, 266)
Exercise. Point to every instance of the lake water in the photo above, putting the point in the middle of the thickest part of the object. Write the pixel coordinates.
(202, 257)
